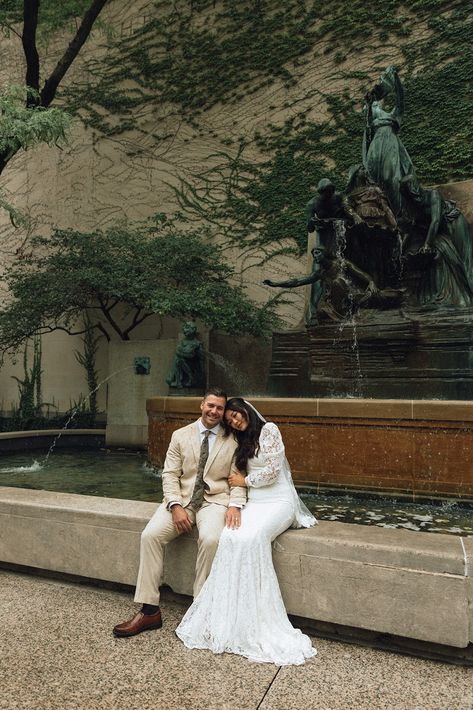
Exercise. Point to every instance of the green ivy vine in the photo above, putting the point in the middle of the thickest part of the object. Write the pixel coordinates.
(191, 55)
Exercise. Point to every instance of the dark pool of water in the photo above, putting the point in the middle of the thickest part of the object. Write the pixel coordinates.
(117, 474)
(113, 474)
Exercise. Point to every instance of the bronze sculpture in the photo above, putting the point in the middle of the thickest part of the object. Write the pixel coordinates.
(187, 369)
(401, 242)
(384, 155)
(391, 303)
(439, 242)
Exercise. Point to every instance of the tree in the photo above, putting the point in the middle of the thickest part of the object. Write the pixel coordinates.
(35, 120)
(122, 276)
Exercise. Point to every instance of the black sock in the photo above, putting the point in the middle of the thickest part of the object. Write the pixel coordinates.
(149, 609)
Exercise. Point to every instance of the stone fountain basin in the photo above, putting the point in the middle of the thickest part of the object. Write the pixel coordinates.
(388, 581)
(395, 446)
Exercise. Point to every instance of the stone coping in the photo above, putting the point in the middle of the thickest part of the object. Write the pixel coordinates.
(20, 441)
(422, 551)
(68, 507)
(406, 409)
(35, 433)
(410, 584)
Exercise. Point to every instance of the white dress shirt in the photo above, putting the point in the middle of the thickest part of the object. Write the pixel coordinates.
(213, 434)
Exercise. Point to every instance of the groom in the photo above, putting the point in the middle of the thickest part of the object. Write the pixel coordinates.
(196, 492)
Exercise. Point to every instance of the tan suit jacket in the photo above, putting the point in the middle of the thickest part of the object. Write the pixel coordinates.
(180, 469)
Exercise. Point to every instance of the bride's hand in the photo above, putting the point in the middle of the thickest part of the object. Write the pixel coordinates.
(236, 479)
(233, 518)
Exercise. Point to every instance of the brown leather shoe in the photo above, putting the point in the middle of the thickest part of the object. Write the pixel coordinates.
(140, 622)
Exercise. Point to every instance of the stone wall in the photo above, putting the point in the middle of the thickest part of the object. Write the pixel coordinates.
(127, 423)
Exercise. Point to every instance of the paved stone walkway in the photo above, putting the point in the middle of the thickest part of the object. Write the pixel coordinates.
(57, 652)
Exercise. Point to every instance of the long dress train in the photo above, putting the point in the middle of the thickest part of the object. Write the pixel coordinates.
(240, 608)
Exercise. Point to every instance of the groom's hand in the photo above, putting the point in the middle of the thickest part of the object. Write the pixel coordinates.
(233, 518)
(180, 519)
(237, 479)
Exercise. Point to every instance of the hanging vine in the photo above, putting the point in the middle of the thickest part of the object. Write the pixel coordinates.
(190, 58)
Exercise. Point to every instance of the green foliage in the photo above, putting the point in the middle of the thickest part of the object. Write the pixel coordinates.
(87, 359)
(264, 201)
(81, 420)
(193, 55)
(25, 116)
(30, 412)
(261, 204)
(149, 268)
(190, 56)
(438, 129)
(53, 15)
(80, 414)
(29, 389)
(11, 12)
(17, 218)
(437, 71)
(25, 127)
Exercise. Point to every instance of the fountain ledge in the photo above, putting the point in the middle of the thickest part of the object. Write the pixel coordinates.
(411, 585)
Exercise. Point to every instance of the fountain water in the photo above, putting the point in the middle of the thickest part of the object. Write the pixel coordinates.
(37, 466)
(231, 373)
(77, 409)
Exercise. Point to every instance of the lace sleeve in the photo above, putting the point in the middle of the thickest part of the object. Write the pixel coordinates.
(272, 451)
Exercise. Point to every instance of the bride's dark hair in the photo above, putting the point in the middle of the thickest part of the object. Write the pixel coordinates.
(248, 440)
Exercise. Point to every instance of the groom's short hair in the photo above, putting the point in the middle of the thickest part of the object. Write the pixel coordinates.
(216, 392)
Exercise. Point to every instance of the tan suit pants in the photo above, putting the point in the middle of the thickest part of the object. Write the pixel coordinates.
(210, 521)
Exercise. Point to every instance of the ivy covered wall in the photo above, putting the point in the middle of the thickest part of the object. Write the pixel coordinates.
(230, 112)
(250, 103)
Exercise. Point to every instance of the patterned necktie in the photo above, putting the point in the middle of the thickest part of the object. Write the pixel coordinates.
(198, 493)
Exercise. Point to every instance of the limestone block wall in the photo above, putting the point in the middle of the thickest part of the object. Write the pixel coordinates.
(127, 423)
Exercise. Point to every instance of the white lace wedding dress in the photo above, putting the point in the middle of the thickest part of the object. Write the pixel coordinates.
(240, 608)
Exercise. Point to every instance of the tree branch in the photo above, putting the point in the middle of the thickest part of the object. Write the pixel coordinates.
(106, 312)
(51, 328)
(30, 24)
(137, 320)
(100, 327)
(10, 28)
(51, 84)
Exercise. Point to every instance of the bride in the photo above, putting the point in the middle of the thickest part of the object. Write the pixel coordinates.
(240, 608)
